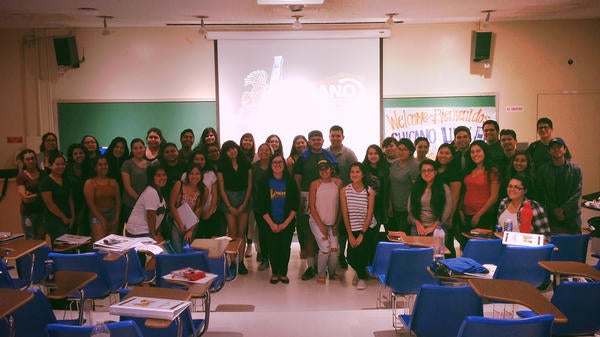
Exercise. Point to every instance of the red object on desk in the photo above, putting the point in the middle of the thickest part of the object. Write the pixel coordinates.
(526, 217)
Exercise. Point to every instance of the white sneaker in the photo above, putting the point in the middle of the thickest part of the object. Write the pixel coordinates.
(355, 280)
(248, 252)
(361, 285)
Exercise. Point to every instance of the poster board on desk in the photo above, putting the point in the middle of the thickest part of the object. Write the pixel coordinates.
(436, 117)
(107, 120)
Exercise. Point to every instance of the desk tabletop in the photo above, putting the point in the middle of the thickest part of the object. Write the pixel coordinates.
(68, 281)
(195, 289)
(13, 299)
(156, 292)
(571, 268)
(516, 292)
(412, 240)
(17, 248)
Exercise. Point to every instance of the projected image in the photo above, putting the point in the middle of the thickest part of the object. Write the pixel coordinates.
(292, 95)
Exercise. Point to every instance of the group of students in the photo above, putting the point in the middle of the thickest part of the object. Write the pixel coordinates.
(325, 194)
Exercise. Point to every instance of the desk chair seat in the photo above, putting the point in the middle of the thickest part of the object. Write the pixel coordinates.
(440, 310)
(521, 264)
(484, 251)
(477, 326)
(117, 329)
(579, 301)
(90, 262)
(31, 319)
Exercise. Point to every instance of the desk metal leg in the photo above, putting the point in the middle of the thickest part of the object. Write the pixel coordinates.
(11, 325)
(179, 327)
(206, 301)
(81, 306)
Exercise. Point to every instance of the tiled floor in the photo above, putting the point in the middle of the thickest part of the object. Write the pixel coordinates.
(300, 308)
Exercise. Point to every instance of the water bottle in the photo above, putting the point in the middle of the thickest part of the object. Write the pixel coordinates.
(439, 239)
(526, 217)
(100, 330)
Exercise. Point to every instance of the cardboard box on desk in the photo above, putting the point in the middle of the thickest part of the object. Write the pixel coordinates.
(215, 247)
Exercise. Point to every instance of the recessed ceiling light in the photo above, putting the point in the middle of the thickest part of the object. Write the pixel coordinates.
(90, 11)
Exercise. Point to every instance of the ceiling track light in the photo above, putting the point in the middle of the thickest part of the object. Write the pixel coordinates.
(488, 15)
(202, 25)
(105, 19)
(390, 19)
(297, 24)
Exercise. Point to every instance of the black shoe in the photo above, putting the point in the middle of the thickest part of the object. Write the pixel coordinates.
(342, 263)
(274, 279)
(242, 269)
(309, 273)
(284, 279)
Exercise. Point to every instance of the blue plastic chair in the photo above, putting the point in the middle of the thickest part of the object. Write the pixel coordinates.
(477, 326)
(484, 251)
(90, 262)
(521, 264)
(570, 247)
(406, 274)
(440, 310)
(5, 280)
(117, 329)
(31, 319)
(136, 273)
(39, 267)
(166, 263)
(579, 301)
(217, 266)
(380, 266)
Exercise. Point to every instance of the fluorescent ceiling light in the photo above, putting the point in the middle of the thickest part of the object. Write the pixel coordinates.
(290, 2)
(296, 34)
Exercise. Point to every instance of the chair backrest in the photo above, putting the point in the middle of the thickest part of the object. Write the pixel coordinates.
(31, 318)
(5, 280)
(484, 251)
(383, 253)
(570, 247)
(91, 262)
(217, 266)
(580, 302)
(136, 273)
(521, 263)
(408, 270)
(477, 326)
(117, 329)
(166, 263)
(440, 310)
(115, 272)
(39, 267)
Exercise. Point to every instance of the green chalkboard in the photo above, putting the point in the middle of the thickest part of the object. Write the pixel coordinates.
(107, 120)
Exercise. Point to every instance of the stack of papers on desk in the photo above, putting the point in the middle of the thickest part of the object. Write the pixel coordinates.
(149, 307)
(71, 239)
(178, 277)
(119, 244)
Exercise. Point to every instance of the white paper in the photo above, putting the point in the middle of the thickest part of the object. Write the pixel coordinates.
(205, 279)
(187, 215)
(149, 307)
(72, 239)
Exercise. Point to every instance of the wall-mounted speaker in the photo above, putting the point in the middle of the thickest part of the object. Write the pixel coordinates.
(481, 46)
(65, 49)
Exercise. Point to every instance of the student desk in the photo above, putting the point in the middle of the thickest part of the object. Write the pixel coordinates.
(569, 268)
(167, 293)
(15, 249)
(516, 292)
(12, 299)
(419, 241)
(66, 282)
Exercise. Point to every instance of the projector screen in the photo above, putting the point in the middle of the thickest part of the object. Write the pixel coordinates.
(290, 87)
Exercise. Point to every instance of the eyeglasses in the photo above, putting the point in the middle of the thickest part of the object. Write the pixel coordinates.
(515, 187)
(427, 170)
(277, 162)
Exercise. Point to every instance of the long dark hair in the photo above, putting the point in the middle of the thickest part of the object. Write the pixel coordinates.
(382, 166)
(200, 186)
(225, 161)
(438, 194)
(487, 161)
(205, 132)
(278, 151)
(150, 173)
(44, 138)
(293, 151)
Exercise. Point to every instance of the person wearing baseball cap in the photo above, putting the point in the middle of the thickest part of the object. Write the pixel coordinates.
(560, 184)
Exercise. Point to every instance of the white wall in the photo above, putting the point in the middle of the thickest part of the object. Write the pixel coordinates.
(530, 58)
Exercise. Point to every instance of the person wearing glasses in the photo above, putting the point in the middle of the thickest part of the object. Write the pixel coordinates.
(538, 151)
(511, 206)
(403, 173)
(277, 201)
(430, 202)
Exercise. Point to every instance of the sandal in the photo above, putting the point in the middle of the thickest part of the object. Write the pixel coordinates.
(284, 279)
(274, 279)
(321, 279)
